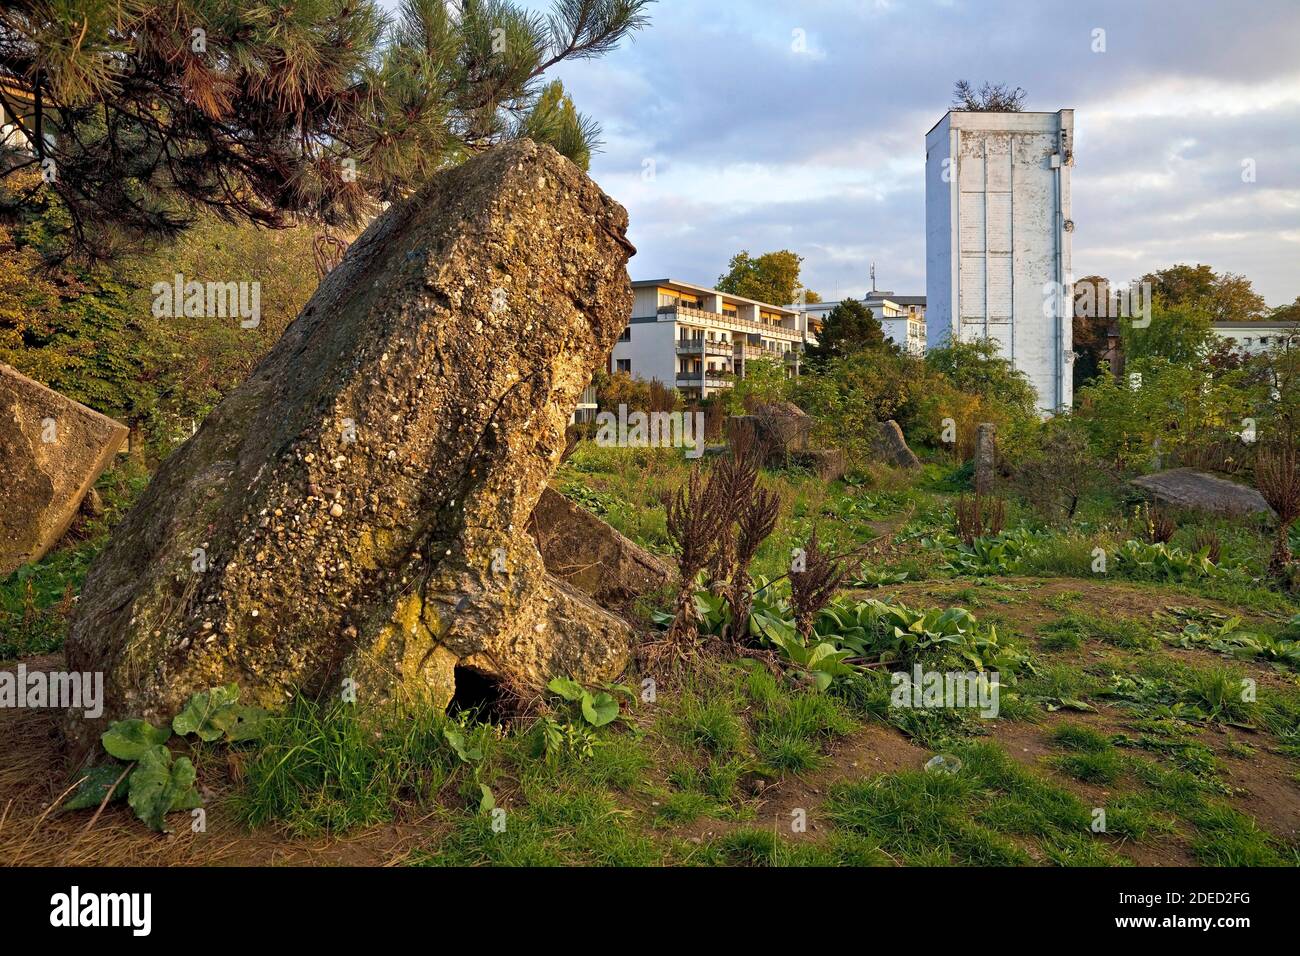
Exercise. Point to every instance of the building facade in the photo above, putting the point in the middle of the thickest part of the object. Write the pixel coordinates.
(699, 340)
(901, 317)
(16, 114)
(1256, 338)
(997, 240)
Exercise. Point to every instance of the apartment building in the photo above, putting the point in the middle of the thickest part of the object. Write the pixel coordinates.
(1256, 338)
(699, 340)
(901, 317)
(16, 113)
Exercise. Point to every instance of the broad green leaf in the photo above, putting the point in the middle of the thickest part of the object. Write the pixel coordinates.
(487, 803)
(599, 710)
(568, 689)
(1075, 704)
(160, 785)
(95, 785)
(248, 724)
(623, 689)
(132, 739)
(460, 745)
(209, 714)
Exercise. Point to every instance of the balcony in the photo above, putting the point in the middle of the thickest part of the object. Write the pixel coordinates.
(703, 347)
(771, 355)
(713, 378)
(686, 383)
(726, 321)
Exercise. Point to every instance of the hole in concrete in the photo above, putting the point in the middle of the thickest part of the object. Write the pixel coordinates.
(480, 694)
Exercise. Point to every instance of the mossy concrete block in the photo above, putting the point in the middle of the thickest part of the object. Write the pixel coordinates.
(1200, 491)
(361, 502)
(51, 451)
(592, 557)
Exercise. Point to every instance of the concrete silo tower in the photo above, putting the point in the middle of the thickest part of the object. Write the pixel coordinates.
(997, 240)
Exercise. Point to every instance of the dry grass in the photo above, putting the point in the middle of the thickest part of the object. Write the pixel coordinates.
(33, 832)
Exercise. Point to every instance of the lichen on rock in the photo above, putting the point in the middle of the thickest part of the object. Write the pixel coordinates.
(361, 501)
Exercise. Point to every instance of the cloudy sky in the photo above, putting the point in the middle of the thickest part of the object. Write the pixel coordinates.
(800, 124)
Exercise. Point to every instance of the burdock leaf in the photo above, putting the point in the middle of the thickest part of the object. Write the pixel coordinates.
(461, 746)
(95, 786)
(599, 710)
(568, 689)
(159, 784)
(209, 714)
(132, 739)
(248, 724)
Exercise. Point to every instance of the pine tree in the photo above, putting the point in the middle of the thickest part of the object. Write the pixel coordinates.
(849, 327)
(143, 113)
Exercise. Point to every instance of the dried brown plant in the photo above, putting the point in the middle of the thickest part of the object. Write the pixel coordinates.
(1156, 526)
(1209, 542)
(812, 588)
(978, 516)
(757, 520)
(1277, 476)
(736, 476)
(697, 516)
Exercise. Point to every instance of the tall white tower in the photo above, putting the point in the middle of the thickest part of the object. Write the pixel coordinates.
(997, 240)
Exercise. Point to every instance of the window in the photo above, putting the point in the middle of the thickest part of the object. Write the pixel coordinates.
(678, 299)
(626, 336)
(624, 365)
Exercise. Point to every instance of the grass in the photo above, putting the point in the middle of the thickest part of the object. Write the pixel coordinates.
(36, 601)
(710, 724)
(1102, 768)
(921, 819)
(700, 777)
(329, 769)
(985, 814)
(1082, 739)
(1070, 631)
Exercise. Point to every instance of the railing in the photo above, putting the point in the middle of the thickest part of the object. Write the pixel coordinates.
(703, 347)
(695, 381)
(775, 355)
(692, 313)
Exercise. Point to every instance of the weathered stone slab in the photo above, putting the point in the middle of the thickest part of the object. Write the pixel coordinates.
(782, 428)
(362, 500)
(890, 446)
(986, 457)
(1198, 490)
(51, 451)
(828, 464)
(590, 556)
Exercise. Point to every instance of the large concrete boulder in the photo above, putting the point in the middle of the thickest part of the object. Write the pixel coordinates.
(590, 556)
(891, 447)
(51, 451)
(828, 464)
(1200, 491)
(782, 426)
(357, 510)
